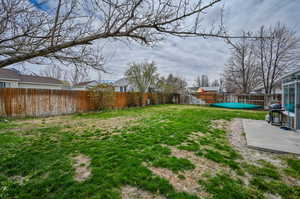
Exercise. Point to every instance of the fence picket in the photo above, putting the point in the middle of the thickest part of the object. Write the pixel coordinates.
(20, 102)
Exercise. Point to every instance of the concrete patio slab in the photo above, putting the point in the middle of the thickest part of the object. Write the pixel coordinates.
(261, 135)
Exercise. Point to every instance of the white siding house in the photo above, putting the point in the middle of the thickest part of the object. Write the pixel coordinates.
(277, 89)
(123, 85)
(10, 78)
(203, 89)
(82, 86)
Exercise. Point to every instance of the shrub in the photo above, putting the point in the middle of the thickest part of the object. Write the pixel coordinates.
(103, 96)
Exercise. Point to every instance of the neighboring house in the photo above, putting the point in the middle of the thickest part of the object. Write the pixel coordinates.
(209, 89)
(11, 78)
(277, 89)
(85, 85)
(90, 84)
(194, 90)
(123, 85)
(203, 95)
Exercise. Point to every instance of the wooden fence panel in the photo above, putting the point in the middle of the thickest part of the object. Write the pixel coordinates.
(16, 102)
(209, 97)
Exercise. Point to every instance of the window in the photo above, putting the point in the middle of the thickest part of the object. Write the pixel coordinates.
(289, 98)
(121, 88)
(2, 85)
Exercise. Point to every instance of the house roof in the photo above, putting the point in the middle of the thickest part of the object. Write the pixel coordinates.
(9, 74)
(85, 83)
(261, 86)
(39, 79)
(291, 73)
(209, 88)
(192, 89)
(16, 75)
(121, 82)
(92, 83)
(198, 89)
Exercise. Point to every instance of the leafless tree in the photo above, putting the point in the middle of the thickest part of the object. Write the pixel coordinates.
(98, 76)
(201, 81)
(241, 74)
(74, 75)
(277, 51)
(142, 75)
(172, 84)
(204, 81)
(222, 84)
(54, 72)
(67, 31)
(197, 82)
(215, 83)
(78, 74)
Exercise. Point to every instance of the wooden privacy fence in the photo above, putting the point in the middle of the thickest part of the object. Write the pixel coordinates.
(16, 102)
(209, 97)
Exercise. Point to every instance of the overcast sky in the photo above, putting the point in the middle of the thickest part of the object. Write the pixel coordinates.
(195, 56)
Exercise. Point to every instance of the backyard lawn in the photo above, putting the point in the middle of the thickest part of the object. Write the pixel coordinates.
(167, 151)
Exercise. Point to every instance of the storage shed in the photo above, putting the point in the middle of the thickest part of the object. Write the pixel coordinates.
(291, 99)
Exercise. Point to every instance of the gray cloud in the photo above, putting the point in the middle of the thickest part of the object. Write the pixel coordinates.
(191, 57)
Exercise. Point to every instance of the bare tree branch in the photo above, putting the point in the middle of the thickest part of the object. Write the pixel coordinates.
(241, 74)
(276, 54)
(142, 75)
(261, 61)
(28, 33)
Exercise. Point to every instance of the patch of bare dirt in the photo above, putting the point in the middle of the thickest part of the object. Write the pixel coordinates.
(203, 165)
(188, 184)
(107, 125)
(129, 192)
(78, 124)
(220, 124)
(195, 135)
(19, 179)
(192, 137)
(187, 181)
(81, 166)
(272, 196)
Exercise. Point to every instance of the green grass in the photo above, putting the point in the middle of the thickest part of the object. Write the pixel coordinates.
(293, 168)
(173, 163)
(134, 111)
(270, 172)
(276, 187)
(221, 158)
(190, 146)
(6, 124)
(222, 186)
(43, 156)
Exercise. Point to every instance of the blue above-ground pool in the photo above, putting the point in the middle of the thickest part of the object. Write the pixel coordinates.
(235, 105)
